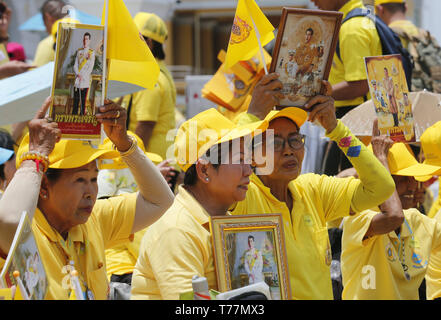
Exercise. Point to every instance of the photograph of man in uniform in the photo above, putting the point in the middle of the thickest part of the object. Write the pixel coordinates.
(390, 89)
(84, 62)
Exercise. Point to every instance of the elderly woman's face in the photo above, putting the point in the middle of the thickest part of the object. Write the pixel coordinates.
(287, 160)
(72, 195)
(231, 179)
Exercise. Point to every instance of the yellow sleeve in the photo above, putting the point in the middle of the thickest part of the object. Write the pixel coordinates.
(147, 104)
(175, 258)
(115, 217)
(246, 118)
(355, 228)
(355, 45)
(45, 52)
(375, 184)
(433, 274)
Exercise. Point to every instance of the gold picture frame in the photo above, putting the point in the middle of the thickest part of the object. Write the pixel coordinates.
(303, 52)
(249, 249)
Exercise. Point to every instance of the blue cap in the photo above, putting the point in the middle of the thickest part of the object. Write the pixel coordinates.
(5, 155)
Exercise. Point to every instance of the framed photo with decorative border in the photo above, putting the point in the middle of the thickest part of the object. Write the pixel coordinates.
(249, 249)
(78, 80)
(303, 52)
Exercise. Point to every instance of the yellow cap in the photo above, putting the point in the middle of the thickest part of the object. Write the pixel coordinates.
(378, 2)
(151, 26)
(208, 128)
(118, 163)
(431, 147)
(295, 114)
(68, 154)
(402, 162)
(64, 20)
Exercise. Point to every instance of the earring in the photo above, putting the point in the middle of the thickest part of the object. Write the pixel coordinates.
(206, 179)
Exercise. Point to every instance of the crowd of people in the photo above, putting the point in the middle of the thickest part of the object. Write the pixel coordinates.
(135, 224)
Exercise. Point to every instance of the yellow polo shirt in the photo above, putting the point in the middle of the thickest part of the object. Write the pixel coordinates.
(173, 250)
(317, 199)
(121, 259)
(358, 39)
(371, 269)
(408, 27)
(433, 276)
(110, 224)
(45, 51)
(157, 105)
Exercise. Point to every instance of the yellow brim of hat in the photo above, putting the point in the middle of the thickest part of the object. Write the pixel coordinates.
(234, 133)
(419, 170)
(378, 2)
(118, 163)
(297, 115)
(68, 154)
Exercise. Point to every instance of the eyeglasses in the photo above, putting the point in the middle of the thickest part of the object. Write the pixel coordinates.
(296, 142)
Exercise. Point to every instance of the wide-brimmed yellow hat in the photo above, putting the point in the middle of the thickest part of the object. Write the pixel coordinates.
(402, 162)
(378, 2)
(68, 154)
(118, 163)
(297, 115)
(208, 128)
(56, 23)
(151, 26)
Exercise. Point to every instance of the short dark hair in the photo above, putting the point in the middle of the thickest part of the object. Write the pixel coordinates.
(6, 142)
(87, 34)
(251, 237)
(395, 7)
(310, 30)
(157, 50)
(53, 174)
(54, 8)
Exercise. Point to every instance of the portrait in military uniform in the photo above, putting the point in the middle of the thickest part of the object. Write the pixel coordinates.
(303, 53)
(390, 95)
(78, 79)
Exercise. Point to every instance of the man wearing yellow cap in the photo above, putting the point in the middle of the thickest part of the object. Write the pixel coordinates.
(393, 13)
(386, 251)
(151, 113)
(51, 11)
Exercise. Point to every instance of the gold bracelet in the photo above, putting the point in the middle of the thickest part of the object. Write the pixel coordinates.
(37, 157)
(132, 147)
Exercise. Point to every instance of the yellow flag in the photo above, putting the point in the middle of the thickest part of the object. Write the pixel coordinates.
(131, 60)
(5, 294)
(244, 42)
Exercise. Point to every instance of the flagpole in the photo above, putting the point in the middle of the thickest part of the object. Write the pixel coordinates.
(104, 82)
(258, 39)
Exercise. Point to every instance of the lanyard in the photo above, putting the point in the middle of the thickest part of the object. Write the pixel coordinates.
(71, 262)
(402, 249)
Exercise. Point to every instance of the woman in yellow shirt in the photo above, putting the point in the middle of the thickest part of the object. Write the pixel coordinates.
(178, 246)
(56, 184)
(308, 201)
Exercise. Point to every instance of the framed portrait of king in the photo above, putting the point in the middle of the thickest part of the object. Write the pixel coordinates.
(303, 52)
(249, 249)
(78, 81)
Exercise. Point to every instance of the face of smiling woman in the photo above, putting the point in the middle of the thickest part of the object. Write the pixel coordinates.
(67, 200)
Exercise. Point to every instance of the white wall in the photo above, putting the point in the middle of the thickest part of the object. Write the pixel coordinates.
(430, 17)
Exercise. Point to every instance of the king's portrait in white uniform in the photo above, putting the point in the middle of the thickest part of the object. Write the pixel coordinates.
(84, 62)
